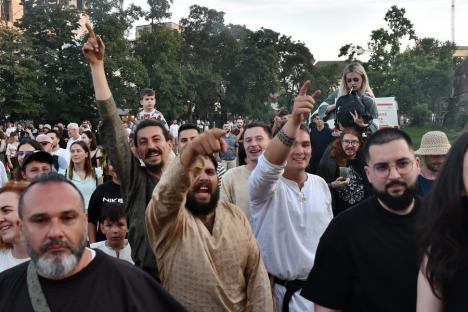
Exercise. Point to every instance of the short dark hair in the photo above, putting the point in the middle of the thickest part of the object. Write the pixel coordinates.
(384, 136)
(33, 143)
(150, 123)
(188, 126)
(258, 124)
(146, 92)
(54, 131)
(47, 178)
(113, 212)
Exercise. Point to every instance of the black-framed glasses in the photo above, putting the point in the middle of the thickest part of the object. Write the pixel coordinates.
(403, 166)
(350, 142)
(352, 79)
(44, 143)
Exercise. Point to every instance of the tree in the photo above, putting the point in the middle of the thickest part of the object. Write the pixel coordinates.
(126, 74)
(160, 53)
(159, 9)
(19, 76)
(51, 30)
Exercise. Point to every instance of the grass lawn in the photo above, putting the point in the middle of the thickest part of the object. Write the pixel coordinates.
(416, 133)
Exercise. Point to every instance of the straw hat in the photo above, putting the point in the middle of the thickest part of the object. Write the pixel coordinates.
(434, 143)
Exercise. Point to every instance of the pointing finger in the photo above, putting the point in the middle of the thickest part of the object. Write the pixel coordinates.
(90, 30)
(304, 88)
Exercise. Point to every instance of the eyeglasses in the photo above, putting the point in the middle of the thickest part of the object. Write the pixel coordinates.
(350, 142)
(23, 153)
(44, 143)
(353, 79)
(403, 166)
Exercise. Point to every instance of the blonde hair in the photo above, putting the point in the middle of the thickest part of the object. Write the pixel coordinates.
(359, 69)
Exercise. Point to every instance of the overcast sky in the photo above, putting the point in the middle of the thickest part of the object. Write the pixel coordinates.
(326, 25)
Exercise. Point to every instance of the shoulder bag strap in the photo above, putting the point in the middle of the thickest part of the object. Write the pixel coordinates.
(38, 300)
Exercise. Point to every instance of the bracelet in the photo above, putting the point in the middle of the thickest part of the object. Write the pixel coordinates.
(285, 139)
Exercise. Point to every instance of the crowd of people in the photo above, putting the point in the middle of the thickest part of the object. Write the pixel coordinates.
(326, 214)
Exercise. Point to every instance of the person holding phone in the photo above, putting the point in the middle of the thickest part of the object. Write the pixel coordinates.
(342, 167)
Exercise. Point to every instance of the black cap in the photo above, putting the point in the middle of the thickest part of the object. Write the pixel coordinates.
(40, 156)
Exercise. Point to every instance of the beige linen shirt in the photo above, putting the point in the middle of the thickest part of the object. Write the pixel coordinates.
(218, 271)
(235, 188)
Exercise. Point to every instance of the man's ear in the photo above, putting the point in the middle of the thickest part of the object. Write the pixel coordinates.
(23, 174)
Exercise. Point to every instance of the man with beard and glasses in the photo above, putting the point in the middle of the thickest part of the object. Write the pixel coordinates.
(434, 146)
(152, 144)
(64, 275)
(367, 259)
(207, 255)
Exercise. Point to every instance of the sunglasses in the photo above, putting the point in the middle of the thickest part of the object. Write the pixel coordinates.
(44, 143)
(354, 79)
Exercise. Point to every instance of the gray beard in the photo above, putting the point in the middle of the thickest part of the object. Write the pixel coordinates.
(57, 266)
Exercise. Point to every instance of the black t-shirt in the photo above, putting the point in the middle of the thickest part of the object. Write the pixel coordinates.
(108, 192)
(106, 284)
(366, 261)
(320, 141)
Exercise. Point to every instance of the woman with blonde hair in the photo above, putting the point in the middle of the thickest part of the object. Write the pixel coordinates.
(81, 171)
(353, 81)
(12, 247)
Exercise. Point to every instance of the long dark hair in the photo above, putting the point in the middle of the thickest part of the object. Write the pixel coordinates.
(444, 229)
(88, 167)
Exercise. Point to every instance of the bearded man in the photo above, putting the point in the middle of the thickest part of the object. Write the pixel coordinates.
(63, 274)
(207, 256)
(367, 258)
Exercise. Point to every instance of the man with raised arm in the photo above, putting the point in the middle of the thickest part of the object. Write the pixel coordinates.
(207, 255)
(290, 208)
(152, 144)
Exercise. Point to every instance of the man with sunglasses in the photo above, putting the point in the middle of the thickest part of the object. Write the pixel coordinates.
(367, 258)
(60, 163)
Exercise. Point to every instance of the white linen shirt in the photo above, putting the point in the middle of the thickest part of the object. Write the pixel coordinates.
(288, 223)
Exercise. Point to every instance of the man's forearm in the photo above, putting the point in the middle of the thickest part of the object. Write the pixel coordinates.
(101, 87)
(278, 150)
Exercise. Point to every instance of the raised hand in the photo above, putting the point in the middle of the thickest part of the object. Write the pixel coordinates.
(358, 120)
(206, 143)
(94, 48)
(304, 104)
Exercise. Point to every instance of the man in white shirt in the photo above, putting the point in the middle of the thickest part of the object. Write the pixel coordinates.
(290, 208)
(174, 130)
(234, 186)
(73, 134)
(56, 149)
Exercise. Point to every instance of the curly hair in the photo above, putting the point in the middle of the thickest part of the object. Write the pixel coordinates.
(337, 149)
(443, 233)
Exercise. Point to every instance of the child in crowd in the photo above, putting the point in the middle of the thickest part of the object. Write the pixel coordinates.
(113, 224)
(148, 102)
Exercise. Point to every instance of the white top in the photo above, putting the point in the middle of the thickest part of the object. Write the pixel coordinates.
(64, 153)
(125, 253)
(71, 141)
(174, 129)
(154, 114)
(288, 223)
(3, 175)
(8, 261)
(11, 149)
(86, 186)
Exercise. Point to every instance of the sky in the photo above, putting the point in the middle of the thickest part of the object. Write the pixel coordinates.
(326, 25)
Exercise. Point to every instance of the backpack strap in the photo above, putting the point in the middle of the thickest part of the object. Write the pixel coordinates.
(36, 295)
